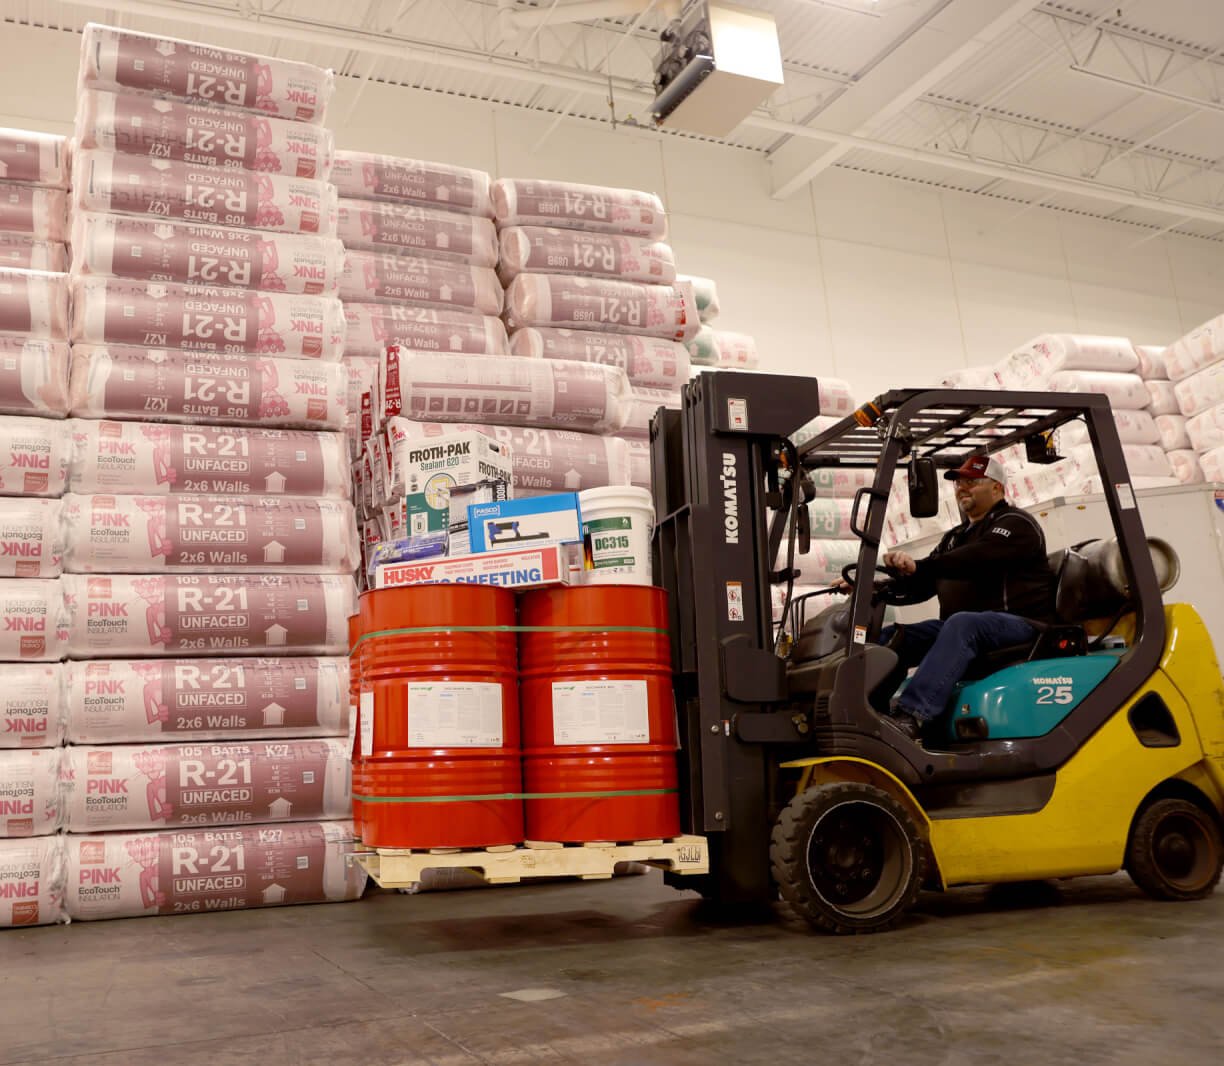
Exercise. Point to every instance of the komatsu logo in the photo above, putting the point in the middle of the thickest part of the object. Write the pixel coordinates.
(730, 487)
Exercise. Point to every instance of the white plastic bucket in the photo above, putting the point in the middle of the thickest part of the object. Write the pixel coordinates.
(616, 527)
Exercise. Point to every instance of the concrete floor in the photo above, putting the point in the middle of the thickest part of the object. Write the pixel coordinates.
(627, 971)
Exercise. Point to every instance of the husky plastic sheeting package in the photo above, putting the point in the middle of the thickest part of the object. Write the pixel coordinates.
(31, 537)
(203, 194)
(586, 207)
(383, 227)
(599, 303)
(113, 701)
(33, 879)
(207, 614)
(1199, 348)
(34, 303)
(202, 318)
(366, 176)
(19, 252)
(516, 392)
(147, 534)
(31, 798)
(651, 361)
(178, 386)
(157, 458)
(112, 58)
(370, 328)
(706, 292)
(194, 871)
(34, 456)
(34, 212)
(380, 277)
(545, 250)
(33, 705)
(33, 377)
(642, 407)
(202, 135)
(33, 620)
(1125, 391)
(36, 158)
(148, 250)
(135, 786)
(1201, 390)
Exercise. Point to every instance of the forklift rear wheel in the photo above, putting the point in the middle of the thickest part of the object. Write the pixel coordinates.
(1175, 851)
(848, 858)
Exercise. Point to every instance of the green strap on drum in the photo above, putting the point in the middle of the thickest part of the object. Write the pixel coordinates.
(411, 630)
(516, 796)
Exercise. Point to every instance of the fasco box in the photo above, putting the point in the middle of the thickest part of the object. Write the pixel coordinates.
(537, 522)
(513, 569)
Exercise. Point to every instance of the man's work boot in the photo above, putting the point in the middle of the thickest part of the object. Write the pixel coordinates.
(905, 723)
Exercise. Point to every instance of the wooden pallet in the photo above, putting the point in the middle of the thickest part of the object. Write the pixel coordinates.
(393, 868)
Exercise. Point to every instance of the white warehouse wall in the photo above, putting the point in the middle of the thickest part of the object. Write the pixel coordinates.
(882, 282)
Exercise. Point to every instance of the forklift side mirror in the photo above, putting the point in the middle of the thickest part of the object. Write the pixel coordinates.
(923, 487)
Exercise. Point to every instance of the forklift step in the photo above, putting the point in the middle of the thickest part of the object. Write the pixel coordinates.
(507, 865)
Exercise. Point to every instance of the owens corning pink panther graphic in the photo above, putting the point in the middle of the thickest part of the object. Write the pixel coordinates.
(152, 763)
(145, 852)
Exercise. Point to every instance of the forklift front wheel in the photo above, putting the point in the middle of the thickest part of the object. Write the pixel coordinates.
(1175, 850)
(847, 857)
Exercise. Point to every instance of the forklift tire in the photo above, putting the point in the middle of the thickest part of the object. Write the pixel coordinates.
(848, 858)
(1175, 850)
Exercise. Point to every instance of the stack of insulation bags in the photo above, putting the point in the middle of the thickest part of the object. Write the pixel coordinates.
(1195, 367)
(34, 449)
(712, 347)
(207, 564)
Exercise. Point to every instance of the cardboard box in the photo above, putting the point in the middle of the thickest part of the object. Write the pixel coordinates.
(537, 522)
(426, 465)
(514, 569)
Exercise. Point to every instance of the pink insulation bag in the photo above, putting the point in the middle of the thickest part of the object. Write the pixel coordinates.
(21, 252)
(33, 620)
(32, 537)
(379, 277)
(33, 212)
(34, 456)
(370, 328)
(599, 303)
(546, 250)
(33, 704)
(36, 158)
(34, 304)
(33, 880)
(366, 176)
(587, 207)
(33, 377)
(406, 228)
(651, 361)
(31, 792)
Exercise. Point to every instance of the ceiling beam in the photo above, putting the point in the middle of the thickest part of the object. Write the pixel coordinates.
(943, 43)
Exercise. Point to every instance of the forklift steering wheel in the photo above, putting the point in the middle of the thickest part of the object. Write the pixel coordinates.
(852, 568)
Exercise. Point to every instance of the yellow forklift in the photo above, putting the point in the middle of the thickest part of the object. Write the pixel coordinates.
(1096, 747)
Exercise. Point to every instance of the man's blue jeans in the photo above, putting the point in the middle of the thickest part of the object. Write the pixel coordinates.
(943, 650)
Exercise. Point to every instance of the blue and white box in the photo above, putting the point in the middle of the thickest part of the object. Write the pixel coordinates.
(532, 523)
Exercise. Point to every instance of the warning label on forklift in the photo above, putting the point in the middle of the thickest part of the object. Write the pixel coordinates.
(454, 714)
(735, 601)
(1126, 498)
(737, 414)
(600, 712)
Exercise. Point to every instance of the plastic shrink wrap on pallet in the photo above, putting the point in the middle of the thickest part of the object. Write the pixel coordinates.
(601, 304)
(33, 880)
(381, 277)
(33, 705)
(545, 250)
(33, 212)
(34, 304)
(367, 176)
(519, 202)
(33, 620)
(32, 537)
(386, 227)
(654, 362)
(34, 456)
(372, 327)
(33, 377)
(31, 796)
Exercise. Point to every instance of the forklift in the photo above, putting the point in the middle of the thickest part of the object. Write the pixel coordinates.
(1097, 746)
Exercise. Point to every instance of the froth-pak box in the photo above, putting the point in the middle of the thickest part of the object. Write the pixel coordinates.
(424, 473)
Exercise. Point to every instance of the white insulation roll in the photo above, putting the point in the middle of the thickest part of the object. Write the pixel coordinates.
(19, 252)
(1186, 466)
(36, 158)
(142, 701)
(1201, 390)
(1125, 391)
(112, 58)
(602, 304)
(177, 386)
(586, 207)
(194, 871)
(33, 705)
(1142, 460)
(1074, 351)
(34, 456)
(651, 361)
(546, 250)
(33, 881)
(706, 292)
(367, 176)
(202, 134)
(370, 328)
(1134, 427)
(723, 348)
(33, 620)
(207, 614)
(548, 393)
(1172, 432)
(31, 794)
(147, 250)
(32, 537)
(33, 377)
(380, 277)
(1151, 362)
(33, 212)
(824, 563)
(1162, 399)
(1199, 348)
(643, 404)
(34, 303)
(1206, 430)
(206, 319)
(138, 786)
(204, 194)
(156, 458)
(384, 227)
(1212, 463)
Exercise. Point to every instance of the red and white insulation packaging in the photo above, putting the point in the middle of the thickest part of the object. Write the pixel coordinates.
(386, 227)
(178, 386)
(147, 250)
(546, 250)
(207, 614)
(34, 211)
(587, 207)
(156, 459)
(547, 393)
(639, 463)
(366, 176)
(33, 377)
(137, 786)
(667, 311)
(107, 534)
(643, 404)
(143, 701)
(20, 252)
(204, 319)
(34, 158)
(204, 194)
(370, 328)
(34, 304)
(33, 621)
(34, 456)
(32, 537)
(378, 277)
(194, 871)
(202, 135)
(31, 793)
(112, 58)
(33, 880)
(33, 705)
(1199, 348)
(650, 361)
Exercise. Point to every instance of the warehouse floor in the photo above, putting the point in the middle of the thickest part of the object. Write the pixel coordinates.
(627, 971)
